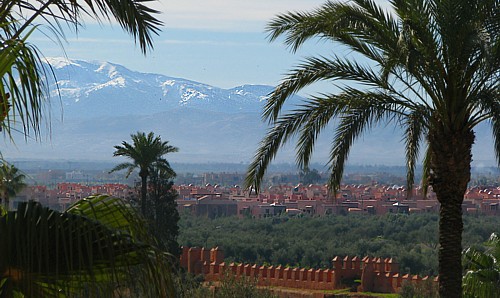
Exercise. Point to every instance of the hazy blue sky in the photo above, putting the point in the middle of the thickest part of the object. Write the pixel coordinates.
(219, 42)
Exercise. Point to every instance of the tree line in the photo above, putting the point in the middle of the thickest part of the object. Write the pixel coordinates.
(312, 242)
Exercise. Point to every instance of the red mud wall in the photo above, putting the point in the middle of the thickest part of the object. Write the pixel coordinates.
(376, 274)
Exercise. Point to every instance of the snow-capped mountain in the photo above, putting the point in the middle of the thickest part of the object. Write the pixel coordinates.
(103, 103)
(89, 89)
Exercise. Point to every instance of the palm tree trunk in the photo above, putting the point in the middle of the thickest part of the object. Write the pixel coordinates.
(451, 157)
(144, 193)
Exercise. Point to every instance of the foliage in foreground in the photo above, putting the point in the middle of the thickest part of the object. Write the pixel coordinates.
(482, 270)
(97, 247)
(229, 286)
(246, 287)
(425, 289)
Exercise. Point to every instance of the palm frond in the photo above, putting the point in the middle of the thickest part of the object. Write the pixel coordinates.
(488, 108)
(353, 24)
(22, 74)
(277, 136)
(163, 166)
(360, 115)
(426, 174)
(134, 16)
(122, 166)
(299, 26)
(320, 111)
(318, 69)
(114, 213)
(495, 123)
(482, 270)
(415, 129)
(72, 254)
(22, 87)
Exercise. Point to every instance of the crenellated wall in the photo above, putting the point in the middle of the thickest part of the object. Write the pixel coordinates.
(376, 274)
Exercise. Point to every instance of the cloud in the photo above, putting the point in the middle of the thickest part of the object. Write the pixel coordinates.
(226, 15)
(230, 15)
(211, 42)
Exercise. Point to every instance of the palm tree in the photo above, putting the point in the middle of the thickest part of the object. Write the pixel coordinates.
(23, 77)
(98, 247)
(482, 270)
(145, 152)
(11, 182)
(163, 210)
(432, 67)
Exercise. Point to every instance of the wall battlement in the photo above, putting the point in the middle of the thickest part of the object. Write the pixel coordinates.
(376, 274)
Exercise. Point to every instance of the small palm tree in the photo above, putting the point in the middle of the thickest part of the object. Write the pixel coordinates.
(482, 270)
(145, 152)
(431, 67)
(99, 247)
(11, 182)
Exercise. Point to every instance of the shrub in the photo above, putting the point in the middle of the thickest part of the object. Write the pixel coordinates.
(423, 289)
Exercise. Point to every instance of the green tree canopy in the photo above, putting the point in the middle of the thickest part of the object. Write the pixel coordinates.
(432, 67)
(11, 182)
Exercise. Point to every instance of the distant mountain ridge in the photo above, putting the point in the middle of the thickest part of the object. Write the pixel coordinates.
(103, 103)
(90, 89)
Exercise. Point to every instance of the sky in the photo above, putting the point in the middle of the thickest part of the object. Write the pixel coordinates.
(217, 42)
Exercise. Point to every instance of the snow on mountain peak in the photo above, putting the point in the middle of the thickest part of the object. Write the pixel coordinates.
(191, 93)
(168, 83)
(91, 88)
(116, 82)
(109, 68)
(240, 92)
(60, 62)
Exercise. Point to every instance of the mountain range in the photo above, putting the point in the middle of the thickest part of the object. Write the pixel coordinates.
(90, 89)
(96, 105)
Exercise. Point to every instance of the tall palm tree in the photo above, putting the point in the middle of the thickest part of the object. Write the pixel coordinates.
(145, 152)
(11, 182)
(99, 247)
(23, 87)
(482, 270)
(163, 212)
(432, 67)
